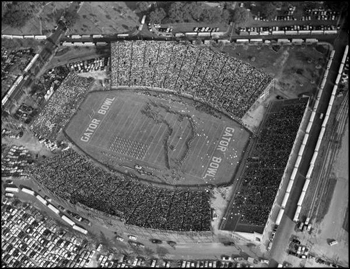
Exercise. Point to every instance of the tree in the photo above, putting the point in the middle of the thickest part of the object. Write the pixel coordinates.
(157, 15)
(149, 252)
(195, 10)
(142, 6)
(240, 15)
(71, 18)
(225, 16)
(162, 252)
(18, 14)
(268, 10)
(176, 12)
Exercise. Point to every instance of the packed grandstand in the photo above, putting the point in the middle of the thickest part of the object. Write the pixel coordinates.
(266, 164)
(210, 76)
(76, 179)
(214, 78)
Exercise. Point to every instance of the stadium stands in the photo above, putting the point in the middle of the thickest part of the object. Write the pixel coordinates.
(61, 106)
(265, 167)
(215, 78)
(74, 178)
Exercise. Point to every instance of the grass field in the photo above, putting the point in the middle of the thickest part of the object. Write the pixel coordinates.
(162, 139)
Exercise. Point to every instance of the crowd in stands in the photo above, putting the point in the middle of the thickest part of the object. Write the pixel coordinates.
(77, 179)
(267, 163)
(61, 106)
(213, 77)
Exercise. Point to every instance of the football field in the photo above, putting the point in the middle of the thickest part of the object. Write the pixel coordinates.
(164, 140)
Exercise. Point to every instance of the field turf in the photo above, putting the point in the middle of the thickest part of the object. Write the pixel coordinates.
(161, 138)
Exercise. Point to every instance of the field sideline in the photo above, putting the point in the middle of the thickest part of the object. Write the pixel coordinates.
(159, 139)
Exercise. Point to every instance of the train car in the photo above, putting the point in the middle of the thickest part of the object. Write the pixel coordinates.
(31, 63)
(297, 213)
(7, 36)
(101, 43)
(294, 173)
(203, 34)
(306, 137)
(285, 200)
(85, 36)
(28, 191)
(332, 54)
(256, 40)
(324, 123)
(304, 32)
(297, 40)
(318, 144)
(179, 34)
(41, 199)
(330, 32)
(279, 217)
(329, 64)
(28, 36)
(79, 229)
(97, 36)
(278, 32)
(143, 19)
(301, 150)
(341, 68)
(242, 40)
(68, 220)
(297, 163)
(122, 35)
(317, 32)
(329, 109)
(75, 36)
(89, 44)
(191, 33)
(309, 171)
(306, 184)
(290, 185)
(17, 36)
(292, 33)
(311, 40)
(313, 114)
(308, 128)
(53, 208)
(40, 37)
(314, 157)
(11, 189)
(338, 79)
(283, 40)
(301, 198)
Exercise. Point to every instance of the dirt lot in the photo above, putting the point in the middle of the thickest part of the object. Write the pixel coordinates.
(296, 69)
(105, 17)
(95, 18)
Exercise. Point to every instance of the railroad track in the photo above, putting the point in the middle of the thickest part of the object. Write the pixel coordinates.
(331, 151)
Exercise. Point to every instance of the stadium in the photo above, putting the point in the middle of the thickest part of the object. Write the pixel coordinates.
(146, 151)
